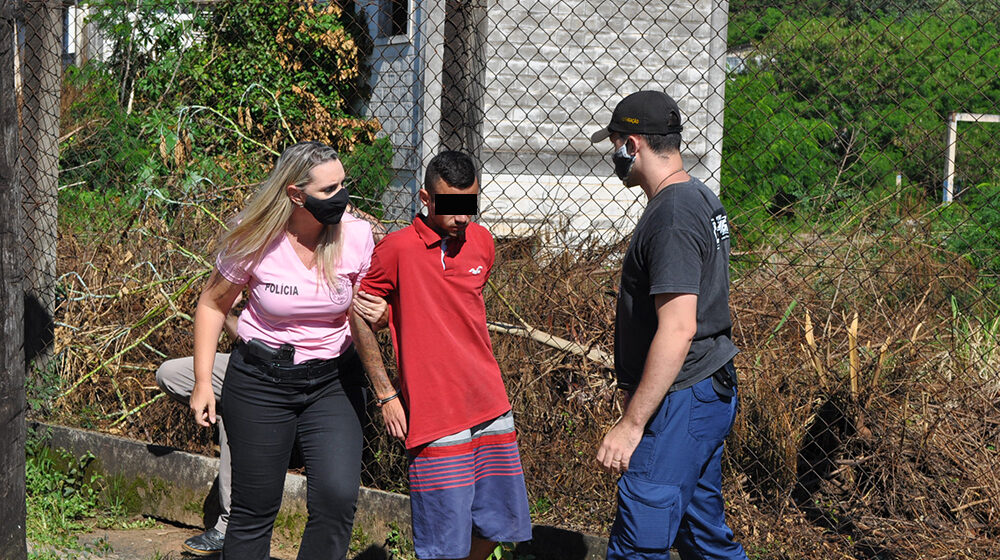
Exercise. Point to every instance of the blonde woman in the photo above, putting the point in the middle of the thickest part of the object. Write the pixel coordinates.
(294, 372)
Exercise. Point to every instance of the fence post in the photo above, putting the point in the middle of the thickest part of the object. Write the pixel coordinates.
(12, 397)
(42, 72)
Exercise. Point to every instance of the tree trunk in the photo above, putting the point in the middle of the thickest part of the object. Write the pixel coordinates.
(42, 74)
(12, 397)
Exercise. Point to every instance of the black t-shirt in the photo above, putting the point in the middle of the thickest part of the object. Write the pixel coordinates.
(680, 245)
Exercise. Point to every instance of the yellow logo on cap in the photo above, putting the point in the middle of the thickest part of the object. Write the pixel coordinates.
(631, 120)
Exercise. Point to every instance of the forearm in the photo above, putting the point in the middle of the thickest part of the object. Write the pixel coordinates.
(371, 356)
(208, 322)
(663, 363)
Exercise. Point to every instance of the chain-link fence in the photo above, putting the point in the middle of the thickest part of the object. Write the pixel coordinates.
(853, 143)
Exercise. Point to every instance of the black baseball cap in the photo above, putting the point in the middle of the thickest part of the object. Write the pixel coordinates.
(643, 112)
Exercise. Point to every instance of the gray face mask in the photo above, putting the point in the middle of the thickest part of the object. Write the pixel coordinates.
(623, 162)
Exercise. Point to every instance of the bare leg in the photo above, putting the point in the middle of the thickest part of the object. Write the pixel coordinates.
(480, 549)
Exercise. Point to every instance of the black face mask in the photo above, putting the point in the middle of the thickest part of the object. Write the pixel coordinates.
(328, 211)
(623, 162)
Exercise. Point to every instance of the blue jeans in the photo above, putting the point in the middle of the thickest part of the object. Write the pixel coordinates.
(671, 493)
(264, 416)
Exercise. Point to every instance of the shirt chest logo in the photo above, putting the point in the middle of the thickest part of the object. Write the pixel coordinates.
(477, 270)
(342, 295)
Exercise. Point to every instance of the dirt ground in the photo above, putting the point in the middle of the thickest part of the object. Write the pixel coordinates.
(161, 542)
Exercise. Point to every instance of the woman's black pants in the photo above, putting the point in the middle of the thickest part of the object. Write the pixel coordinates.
(265, 412)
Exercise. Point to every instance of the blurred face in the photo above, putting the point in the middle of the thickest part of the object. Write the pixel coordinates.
(451, 225)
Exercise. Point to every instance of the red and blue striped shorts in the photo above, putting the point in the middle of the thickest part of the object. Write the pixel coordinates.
(468, 483)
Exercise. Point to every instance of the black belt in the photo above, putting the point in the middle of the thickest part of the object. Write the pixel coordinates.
(278, 364)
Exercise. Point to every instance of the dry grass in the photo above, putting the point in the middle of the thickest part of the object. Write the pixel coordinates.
(874, 440)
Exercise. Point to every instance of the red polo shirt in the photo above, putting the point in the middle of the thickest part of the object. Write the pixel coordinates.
(449, 379)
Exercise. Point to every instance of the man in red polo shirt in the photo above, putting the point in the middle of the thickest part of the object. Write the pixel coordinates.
(451, 409)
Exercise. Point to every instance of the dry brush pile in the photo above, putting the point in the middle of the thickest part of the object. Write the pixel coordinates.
(870, 413)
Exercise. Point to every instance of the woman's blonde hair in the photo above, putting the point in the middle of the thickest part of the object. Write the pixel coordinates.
(268, 211)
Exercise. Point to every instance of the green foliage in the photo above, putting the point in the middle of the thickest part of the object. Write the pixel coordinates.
(398, 545)
(370, 168)
(282, 71)
(147, 39)
(196, 99)
(112, 161)
(752, 20)
(747, 26)
(541, 506)
(61, 495)
(103, 148)
(508, 551)
(829, 109)
(86, 210)
(65, 497)
(771, 155)
(281, 45)
(890, 85)
(971, 228)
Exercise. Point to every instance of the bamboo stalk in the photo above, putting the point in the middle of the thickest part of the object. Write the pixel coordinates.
(852, 342)
(882, 353)
(556, 342)
(137, 409)
(814, 351)
(117, 355)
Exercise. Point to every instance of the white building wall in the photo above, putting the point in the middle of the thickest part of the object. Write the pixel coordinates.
(406, 88)
(555, 70)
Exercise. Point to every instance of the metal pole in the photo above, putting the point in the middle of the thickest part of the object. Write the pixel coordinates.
(949, 167)
(952, 143)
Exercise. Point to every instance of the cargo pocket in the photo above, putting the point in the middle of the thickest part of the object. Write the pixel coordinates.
(648, 513)
(710, 416)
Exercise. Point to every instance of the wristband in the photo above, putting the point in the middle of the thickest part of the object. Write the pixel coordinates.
(380, 402)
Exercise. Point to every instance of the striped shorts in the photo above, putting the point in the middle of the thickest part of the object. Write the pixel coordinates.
(468, 483)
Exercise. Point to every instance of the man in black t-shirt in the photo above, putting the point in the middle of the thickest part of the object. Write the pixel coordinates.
(673, 348)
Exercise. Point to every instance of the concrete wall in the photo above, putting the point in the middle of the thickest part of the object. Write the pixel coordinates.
(169, 484)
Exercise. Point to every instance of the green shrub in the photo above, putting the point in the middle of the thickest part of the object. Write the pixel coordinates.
(971, 229)
(60, 494)
(833, 104)
(889, 84)
(194, 100)
(369, 167)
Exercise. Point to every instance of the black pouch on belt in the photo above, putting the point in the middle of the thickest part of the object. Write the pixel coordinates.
(724, 380)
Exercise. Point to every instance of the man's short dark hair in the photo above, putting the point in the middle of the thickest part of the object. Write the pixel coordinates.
(666, 143)
(455, 168)
(663, 143)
